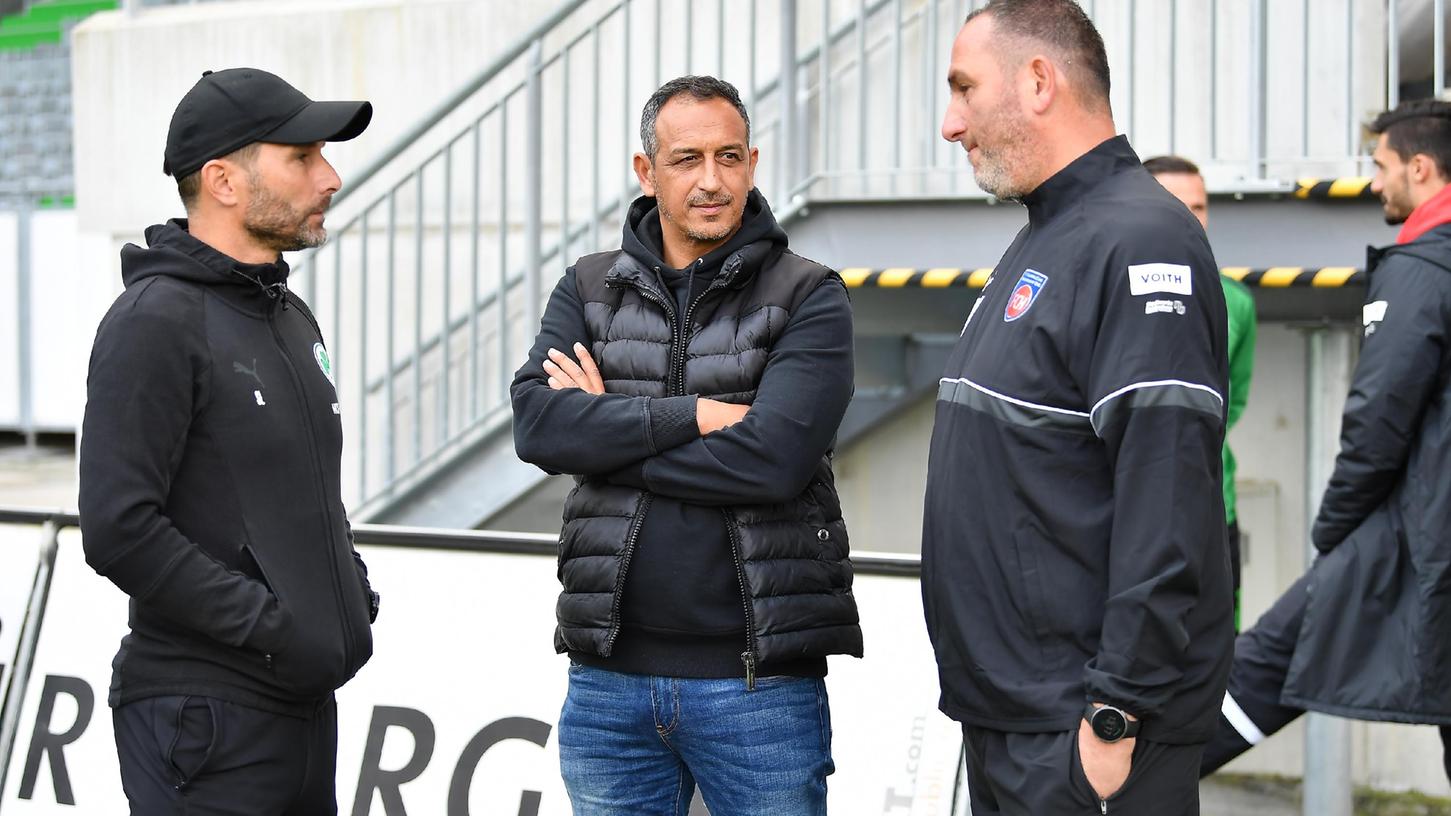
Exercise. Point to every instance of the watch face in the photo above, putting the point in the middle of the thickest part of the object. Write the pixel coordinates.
(1109, 724)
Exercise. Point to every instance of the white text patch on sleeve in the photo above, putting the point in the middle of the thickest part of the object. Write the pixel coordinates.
(1373, 312)
(1148, 278)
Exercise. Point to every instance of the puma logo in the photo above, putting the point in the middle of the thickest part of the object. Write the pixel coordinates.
(238, 368)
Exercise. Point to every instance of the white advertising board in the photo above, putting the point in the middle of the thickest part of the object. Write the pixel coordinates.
(456, 712)
(19, 554)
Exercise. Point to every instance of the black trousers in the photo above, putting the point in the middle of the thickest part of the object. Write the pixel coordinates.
(1010, 774)
(1252, 708)
(201, 756)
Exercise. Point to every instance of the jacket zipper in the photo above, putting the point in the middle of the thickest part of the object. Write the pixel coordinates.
(748, 657)
(680, 336)
(313, 451)
(634, 535)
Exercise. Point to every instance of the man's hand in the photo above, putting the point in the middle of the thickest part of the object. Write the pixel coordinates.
(712, 416)
(566, 373)
(1106, 764)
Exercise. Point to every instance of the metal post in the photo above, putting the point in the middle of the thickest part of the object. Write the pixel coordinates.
(1327, 739)
(534, 183)
(1305, 78)
(1438, 39)
(1129, 83)
(1393, 56)
(861, 89)
(787, 96)
(501, 297)
(361, 440)
(1257, 91)
(418, 228)
(1213, 79)
(1352, 130)
(823, 94)
(390, 418)
(1173, 71)
(29, 636)
(24, 226)
(594, 179)
(474, 227)
(896, 90)
(445, 337)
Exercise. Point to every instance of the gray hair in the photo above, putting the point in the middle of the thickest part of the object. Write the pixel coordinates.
(700, 88)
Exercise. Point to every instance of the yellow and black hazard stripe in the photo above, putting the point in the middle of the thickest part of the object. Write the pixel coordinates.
(1339, 188)
(1274, 277)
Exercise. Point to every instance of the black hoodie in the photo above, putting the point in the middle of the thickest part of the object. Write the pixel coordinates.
(681, 610)
(210, 484)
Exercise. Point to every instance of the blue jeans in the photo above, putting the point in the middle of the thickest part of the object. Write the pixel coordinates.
(635, 744)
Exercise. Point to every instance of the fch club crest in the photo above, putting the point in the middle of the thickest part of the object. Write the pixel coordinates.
(1024, 293)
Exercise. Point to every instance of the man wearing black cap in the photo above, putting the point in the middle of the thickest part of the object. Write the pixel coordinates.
(209, 470)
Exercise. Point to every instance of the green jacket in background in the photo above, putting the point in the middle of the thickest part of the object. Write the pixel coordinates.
(1241, 307)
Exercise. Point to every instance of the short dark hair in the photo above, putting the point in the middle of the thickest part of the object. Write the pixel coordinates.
(188, 187)
(1418, 126)
(1166, 165)
(699, 88)
(1062, 25)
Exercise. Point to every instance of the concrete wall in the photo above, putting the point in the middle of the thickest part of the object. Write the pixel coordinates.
(68, 295)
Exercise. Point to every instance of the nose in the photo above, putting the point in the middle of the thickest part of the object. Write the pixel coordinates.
(710, 175)
(1375, 184)
(953, 123)
(329, 178)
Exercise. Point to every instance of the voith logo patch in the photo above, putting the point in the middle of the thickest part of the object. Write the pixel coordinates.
(1024, 294)
(1146, 279)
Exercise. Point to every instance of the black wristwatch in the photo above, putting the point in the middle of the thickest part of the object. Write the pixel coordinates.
(1110, 724)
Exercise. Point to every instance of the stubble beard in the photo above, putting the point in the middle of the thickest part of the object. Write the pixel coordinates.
(276, 224)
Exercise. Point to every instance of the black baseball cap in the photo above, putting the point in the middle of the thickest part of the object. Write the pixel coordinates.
(228, 110)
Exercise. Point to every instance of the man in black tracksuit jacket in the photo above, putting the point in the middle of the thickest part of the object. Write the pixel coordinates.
(705, 568)
(1366, 632)
(1075, 571)
(210, 489)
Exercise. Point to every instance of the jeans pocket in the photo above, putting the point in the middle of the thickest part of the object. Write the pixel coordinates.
(193, 740)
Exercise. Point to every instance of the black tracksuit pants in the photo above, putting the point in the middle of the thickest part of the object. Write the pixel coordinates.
(201, 756)
(1252, 708)
(1012, 774)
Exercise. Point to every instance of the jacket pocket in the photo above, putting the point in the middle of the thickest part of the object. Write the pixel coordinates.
(312, 660)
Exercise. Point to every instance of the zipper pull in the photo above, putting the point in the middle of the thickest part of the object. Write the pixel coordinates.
(1103, 806)
(749, 658)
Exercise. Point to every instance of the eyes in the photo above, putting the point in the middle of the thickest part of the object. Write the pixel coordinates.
(726, 157)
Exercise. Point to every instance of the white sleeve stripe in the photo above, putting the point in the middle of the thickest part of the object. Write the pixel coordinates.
(1013, 400)
(1157, 393)
(1154, 384)
(1241, 721)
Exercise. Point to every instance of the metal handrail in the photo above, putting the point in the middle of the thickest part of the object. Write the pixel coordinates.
(479, 541)
(409, 138)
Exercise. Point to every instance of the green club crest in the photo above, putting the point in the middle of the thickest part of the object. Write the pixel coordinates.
(324, 362)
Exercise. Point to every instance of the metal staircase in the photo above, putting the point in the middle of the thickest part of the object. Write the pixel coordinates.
(444, 248)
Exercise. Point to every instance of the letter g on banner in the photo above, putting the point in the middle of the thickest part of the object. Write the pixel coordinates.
(523, 728)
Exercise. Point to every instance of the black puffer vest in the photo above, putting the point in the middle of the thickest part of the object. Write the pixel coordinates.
(791, 558)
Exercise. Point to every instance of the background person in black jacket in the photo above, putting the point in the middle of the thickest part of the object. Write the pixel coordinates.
(209, 470)
(692, 382)
(1075, 575)
(1366, 632)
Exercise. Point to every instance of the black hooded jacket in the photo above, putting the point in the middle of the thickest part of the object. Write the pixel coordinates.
(1375, 642)
(210, 484)
(650, 568)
